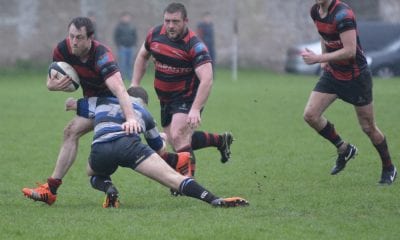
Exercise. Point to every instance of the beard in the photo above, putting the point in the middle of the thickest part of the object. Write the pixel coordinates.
(76, 51)
(174, 35)
(80, 52)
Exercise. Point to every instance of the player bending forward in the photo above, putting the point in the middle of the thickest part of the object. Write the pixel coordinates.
(112, 147)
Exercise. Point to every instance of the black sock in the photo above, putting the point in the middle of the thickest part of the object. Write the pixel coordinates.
(191, 188)
(101, 183)
(329, 132)
(383, 151)
(54, 184)
(204, 139)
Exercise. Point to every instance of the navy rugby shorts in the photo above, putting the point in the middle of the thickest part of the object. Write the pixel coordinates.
(126, 151)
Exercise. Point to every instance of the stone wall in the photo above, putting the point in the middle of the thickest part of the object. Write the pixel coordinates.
(389, 10)
(29, 29)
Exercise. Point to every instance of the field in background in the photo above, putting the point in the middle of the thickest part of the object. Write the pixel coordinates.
(278, 163)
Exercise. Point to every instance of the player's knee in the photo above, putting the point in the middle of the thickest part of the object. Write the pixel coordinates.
(72, 131)
(92, 181)
(368, 129)
(180, 141)
(310, 117)
(175, 137)
(89, 170)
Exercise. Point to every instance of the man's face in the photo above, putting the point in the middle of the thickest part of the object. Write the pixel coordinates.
(80, 43)
(175, 25)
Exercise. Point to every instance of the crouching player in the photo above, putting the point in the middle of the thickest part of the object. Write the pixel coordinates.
(112, 147)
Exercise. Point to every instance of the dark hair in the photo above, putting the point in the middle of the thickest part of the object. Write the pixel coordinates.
(80, 22)
(139, 92)
(176, 7)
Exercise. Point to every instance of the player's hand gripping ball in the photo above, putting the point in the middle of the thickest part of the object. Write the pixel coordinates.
(58, 69)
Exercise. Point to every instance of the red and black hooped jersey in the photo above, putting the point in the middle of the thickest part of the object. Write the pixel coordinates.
(340, 18)
(92, 73)
(175, 63)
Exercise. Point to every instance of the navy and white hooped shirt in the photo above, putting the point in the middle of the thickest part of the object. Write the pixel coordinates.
(108, 117)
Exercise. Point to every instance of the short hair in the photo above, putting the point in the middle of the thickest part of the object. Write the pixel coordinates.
(139, 92)
(80, 22)
(176, 7)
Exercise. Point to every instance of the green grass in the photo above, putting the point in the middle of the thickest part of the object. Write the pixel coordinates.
(279, 164)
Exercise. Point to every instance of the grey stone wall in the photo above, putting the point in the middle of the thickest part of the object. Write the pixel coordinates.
(29, 29)
(389, 10)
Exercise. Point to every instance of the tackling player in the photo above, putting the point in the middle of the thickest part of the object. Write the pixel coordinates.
(112, 148)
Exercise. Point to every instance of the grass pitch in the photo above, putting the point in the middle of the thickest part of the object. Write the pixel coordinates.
(278, 163)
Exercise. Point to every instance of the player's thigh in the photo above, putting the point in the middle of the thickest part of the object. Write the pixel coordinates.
(318, 102)
(180, 131)
(179, 125)
(157, 169)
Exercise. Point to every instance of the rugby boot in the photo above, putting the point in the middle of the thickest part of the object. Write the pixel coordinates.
(343, 158)
(225, 149)
(41, 193)
(111, 200)
(230, 202)
(388, 176)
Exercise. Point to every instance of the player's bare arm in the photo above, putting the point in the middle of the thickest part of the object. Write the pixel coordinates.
(117, 87)
(140, 66)
(205, 75)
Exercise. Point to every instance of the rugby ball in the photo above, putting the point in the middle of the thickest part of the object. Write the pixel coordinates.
(58, 69)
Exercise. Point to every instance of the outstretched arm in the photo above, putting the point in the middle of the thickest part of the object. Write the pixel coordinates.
(84, 107)
(117, 87)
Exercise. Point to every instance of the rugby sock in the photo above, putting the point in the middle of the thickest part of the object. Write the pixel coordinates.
(54, 183)
(329, 132)
(383, 151)
(193, 158)
(170, 158)
(189, 187)
(204, 139)
(101, 183)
